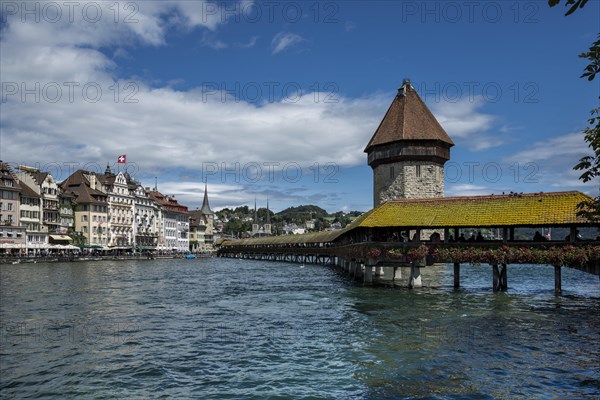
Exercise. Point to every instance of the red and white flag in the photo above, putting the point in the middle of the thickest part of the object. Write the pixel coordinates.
(122, 159)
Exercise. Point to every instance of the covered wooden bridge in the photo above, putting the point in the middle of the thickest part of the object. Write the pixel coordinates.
(413, 233)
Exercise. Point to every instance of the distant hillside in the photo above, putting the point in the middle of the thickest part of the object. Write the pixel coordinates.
(239, 220)
(302, 213)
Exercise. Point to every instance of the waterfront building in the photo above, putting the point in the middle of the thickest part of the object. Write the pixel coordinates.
(9, 196)
(120, 208)
(48, 189)
(12, 234)
(202, 226)
(293, 229)
(146, 220)
(67, 212)
(175, 221)
(31, 216)
(91, 207)
(13, 240)
(408, 150)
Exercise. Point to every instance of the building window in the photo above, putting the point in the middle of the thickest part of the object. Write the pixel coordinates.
(418, 171)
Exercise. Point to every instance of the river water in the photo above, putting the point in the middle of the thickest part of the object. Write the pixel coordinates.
(226, 328)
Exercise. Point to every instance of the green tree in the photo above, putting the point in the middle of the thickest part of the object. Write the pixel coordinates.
(573, 5)
(590, 165)
(235, 226)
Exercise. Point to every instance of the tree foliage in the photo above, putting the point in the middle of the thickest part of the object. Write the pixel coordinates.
(589, 165)
(573, 5)
(593, 56)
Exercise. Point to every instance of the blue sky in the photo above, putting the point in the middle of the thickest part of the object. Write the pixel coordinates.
(278, 99)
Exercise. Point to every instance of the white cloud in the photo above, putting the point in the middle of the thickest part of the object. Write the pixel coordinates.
(201, 13)
(192, 192)
(173, 129)
(571, 146)
(95, 24)
(165, 126)
(250, 43)
(468, 189)
(284, 40)
(485, 142)
(550, 162)
(210, 40)
(463, 119)
(121, 53)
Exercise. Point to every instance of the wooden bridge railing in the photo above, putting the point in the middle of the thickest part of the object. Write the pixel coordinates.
(582, 255)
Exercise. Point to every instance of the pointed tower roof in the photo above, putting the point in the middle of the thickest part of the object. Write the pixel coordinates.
(255, 212)
(408, 118)
(205, 207)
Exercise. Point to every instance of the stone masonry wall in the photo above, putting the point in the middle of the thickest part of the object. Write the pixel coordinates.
(399, 180)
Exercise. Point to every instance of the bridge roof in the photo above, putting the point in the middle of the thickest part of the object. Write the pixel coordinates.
(512, 210)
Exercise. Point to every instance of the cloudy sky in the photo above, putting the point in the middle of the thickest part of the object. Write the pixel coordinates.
(278, 99)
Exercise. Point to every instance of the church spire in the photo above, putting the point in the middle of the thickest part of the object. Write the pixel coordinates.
(205, 206)
(268, 216)
(255, 212)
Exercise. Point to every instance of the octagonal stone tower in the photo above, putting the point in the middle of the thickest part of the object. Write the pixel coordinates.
(408, 150)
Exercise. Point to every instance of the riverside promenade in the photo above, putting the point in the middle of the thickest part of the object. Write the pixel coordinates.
(82, 258)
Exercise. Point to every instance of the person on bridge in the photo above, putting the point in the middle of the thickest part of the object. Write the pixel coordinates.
(538, 237)
(435, 237)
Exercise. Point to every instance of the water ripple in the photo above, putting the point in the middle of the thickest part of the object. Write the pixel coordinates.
(217, 329)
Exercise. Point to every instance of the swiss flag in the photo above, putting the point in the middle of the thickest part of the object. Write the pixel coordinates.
(122, 159)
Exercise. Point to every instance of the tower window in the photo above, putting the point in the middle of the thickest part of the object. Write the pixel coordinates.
(392, 172)
(418, 171)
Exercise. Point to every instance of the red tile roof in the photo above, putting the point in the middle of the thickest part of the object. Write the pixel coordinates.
(408, 118)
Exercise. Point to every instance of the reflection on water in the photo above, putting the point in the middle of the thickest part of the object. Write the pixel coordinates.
(223, 328)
